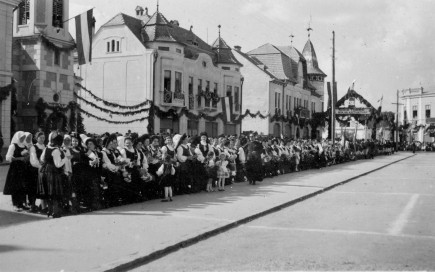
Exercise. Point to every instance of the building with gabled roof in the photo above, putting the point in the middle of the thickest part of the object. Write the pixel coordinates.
(277, 82)
(148, 57)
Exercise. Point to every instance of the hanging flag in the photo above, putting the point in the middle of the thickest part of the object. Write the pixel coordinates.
(227, 108)
(84, 25)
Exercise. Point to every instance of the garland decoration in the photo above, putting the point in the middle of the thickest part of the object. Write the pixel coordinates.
(114, 105)
(127, 113)
(88, 114)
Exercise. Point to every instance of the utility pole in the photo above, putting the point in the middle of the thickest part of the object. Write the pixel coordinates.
(334, 89)
(396, 138)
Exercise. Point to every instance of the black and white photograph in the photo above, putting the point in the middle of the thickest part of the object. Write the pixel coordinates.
(205, 135)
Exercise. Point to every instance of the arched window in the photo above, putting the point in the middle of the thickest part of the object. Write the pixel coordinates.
(113, 45)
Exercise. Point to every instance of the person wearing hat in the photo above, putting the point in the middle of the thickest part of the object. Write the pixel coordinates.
(241, 147)
(89, 186)
(184, 157)
(130, 154)
(198, 172)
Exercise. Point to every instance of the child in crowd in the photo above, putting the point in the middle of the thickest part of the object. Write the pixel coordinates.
(222, 172)
(210, 167)
(166, 173)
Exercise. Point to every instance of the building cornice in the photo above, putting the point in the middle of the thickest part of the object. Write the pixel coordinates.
(12, 3)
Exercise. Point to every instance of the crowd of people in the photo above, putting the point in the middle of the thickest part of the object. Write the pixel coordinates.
(70, 173)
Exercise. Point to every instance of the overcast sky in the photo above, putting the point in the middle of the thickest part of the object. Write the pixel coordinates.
(384, 45)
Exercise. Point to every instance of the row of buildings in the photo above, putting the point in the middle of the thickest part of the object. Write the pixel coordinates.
(147, 57)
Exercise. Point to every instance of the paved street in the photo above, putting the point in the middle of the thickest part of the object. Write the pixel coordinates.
(344, 228)
(382, 221)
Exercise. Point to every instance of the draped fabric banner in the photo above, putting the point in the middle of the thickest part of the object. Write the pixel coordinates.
(84, 23)
(227, 108)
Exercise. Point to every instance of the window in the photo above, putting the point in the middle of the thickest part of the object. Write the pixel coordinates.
(237, 69)
(191, 97)
(236, 98)
(207, 90)
(192, 127)
(279, 101)
(113, 46)
(414, 112)
(427, 107)
(215, 91)
(56, 57)
(178, 50)
(211, 128)
(294, 103)
(177, 81)
(167, 81)
(199, 91)
(225, 68)
(162, 48)
(229, 90)
(58, 13)
(404, 115)
(24, 12)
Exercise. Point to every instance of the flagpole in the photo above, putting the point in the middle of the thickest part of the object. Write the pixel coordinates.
(77, 15)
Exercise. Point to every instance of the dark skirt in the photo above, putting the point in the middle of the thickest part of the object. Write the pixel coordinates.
(16, 179)
(50, 182)
(254, 169)
(31, 180)
(166, 181)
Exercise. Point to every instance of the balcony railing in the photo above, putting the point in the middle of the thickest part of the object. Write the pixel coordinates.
(172, 98)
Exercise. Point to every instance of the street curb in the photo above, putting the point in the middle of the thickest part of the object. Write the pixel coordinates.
(188, 242)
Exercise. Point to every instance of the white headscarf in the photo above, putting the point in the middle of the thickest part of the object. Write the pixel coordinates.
(84, 138)
(121, 140)
(176, 140)
(16, 138)
(25, 140)
(51, 136)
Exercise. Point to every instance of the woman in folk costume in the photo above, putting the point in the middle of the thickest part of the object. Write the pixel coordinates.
(143, 161)
(31, 183)
(51, 176)
(204, 146)
(92, 167)
(118, 189)
(130, 154)
(254, 167)
(297, 154)
(242, 148)
(36, 164)
(154, 162)
(231, 158)
(222, 172)
(267, 159)
(198, 173)
(70, 200)
(15, 183)
(184, 157)
(78, 165)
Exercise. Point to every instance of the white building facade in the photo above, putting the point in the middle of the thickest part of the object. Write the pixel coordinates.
(284, 84)
(416, 109)
(148, 58)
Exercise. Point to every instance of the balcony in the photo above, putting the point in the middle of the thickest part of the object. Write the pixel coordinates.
(174, 99)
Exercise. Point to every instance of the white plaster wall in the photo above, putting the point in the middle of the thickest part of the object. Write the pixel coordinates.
(123, 77)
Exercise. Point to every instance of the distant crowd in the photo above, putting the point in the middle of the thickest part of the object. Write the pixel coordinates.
(70, 173)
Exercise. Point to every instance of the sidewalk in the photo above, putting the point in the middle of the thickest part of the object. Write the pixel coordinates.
(119, 237)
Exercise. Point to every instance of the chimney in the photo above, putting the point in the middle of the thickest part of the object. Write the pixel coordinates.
(237, 47)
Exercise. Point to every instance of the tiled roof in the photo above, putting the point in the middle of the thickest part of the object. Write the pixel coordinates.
(256, 62)
(310, 55)
(223, 52)
(157, 29)
(135, 25)
(278, 63)
(295, 57)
